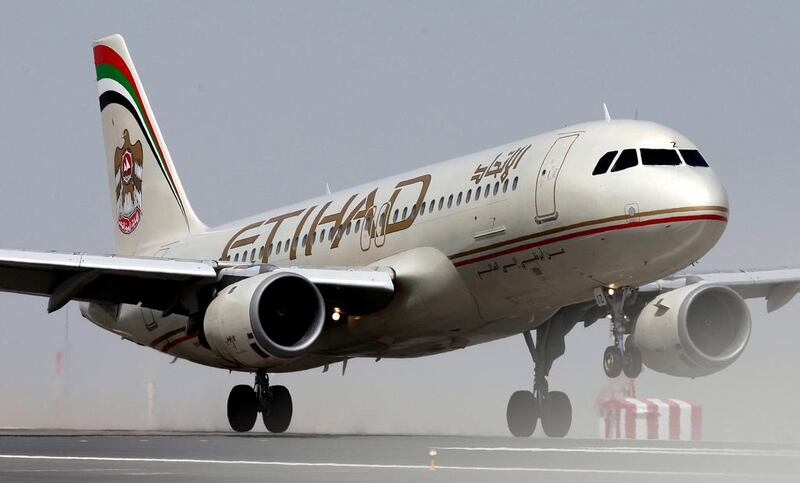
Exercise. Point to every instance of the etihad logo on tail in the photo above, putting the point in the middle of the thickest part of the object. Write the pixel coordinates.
(128, 176)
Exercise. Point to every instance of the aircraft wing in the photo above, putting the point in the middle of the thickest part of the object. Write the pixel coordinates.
(168, 284)
(777, 286)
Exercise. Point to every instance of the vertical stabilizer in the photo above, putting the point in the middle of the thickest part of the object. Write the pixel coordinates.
(149, 205)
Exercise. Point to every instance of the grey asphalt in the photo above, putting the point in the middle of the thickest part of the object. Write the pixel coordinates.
(154, 456)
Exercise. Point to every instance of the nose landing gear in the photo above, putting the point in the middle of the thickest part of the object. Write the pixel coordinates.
(623, 355)
(273, 402)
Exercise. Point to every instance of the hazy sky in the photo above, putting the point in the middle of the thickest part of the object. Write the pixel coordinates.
(248, 94)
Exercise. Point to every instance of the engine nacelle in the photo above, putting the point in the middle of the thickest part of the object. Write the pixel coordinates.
(277, 314)
(693, 331)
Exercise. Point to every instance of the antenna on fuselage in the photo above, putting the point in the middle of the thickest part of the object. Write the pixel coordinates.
(327, 189)
(606, 115)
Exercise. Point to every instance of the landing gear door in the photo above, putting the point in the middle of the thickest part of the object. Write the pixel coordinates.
(546, 209)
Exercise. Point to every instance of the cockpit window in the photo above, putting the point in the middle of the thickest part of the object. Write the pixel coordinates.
(660, 157)
(604, 163)
(627, 159)
(692, 157)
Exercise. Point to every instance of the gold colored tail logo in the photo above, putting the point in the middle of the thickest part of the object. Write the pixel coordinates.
(128, 175)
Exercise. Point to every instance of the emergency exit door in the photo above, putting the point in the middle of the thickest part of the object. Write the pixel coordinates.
(547, 178)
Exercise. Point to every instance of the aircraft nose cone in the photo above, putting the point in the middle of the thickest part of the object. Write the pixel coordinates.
(701, 188)
(703, 197)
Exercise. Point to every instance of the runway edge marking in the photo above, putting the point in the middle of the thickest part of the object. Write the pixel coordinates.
(380, 466)
(636, 450)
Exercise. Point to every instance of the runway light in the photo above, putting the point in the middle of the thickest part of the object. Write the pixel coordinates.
(432, 454)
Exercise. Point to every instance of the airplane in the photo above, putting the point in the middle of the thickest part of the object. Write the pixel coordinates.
(594, 221)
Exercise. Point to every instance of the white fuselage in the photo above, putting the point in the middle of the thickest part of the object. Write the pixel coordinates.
(547, 234)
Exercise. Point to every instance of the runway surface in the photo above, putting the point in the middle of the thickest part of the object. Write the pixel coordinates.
(199, 457)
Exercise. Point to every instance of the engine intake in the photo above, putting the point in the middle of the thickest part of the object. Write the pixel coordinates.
(277, 314)
(693, 331)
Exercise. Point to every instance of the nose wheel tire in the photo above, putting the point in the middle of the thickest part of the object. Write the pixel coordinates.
(522, 413)
(556, 414)
(632, 360)
(278, 414)
(612, 362)
(242, 408)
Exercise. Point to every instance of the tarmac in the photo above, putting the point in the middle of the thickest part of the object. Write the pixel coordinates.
(31, 455)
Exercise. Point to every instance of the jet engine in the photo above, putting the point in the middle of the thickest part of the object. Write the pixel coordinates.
(278, 314)
(693, 331)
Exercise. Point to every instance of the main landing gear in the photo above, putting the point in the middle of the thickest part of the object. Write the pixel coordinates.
(273, 402)
(553, 408)
(623, 355)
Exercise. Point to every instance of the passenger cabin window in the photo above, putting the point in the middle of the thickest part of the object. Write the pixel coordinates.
(236, 258)
(469, 195)
(505, 185)
(422, 208)
(660, 157)
(405, 212)
(692, 157)
(458, 200)
(627, 159)
(478, 193)
(514, 185)
(603, 164)
(450, 201)
(487, 190)
(358, 225)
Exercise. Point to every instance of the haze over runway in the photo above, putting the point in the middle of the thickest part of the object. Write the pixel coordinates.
(277, 100)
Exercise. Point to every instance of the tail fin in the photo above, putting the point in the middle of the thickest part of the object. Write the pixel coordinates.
(148, 202)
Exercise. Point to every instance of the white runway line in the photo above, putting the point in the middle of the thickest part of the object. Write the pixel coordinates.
(389, 466)
(636, 450)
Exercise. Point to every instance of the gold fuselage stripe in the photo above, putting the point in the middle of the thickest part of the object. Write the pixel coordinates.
(583, 224)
